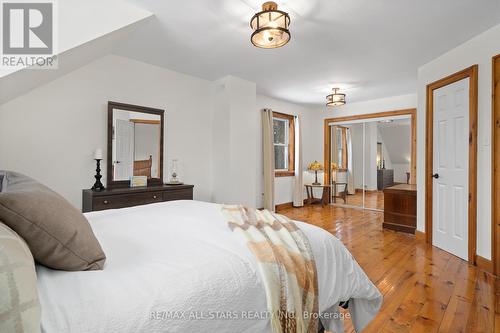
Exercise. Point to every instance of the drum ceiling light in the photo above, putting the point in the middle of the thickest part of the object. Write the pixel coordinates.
(335, 99)
(270, 27)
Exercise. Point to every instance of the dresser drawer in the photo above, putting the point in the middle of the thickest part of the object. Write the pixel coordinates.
(126, 200)
(181, 194)
(128, 197)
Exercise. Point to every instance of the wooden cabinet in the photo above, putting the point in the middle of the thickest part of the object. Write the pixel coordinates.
(400, 208)
(128, 197)
(385, 178)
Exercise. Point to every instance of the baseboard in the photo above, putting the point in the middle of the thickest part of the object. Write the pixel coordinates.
(484, 264)
(419, 235)
(360, 190)
(282, 206)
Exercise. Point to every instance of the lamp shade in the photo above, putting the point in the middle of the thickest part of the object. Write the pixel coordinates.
(315, 166)
(335, 99)
(270, 27)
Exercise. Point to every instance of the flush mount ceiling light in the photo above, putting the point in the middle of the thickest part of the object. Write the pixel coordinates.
(336, 98)
(270, 27)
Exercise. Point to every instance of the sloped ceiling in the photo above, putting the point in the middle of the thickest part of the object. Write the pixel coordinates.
(370, 48)
(87, 30)
(397, 139)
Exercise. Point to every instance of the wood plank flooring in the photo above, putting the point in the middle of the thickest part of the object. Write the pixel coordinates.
(373, 200)
(425, 289)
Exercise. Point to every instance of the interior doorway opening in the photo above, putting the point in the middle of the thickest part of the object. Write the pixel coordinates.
(366, 154)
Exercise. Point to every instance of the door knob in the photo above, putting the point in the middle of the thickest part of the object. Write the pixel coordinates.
(436, 175)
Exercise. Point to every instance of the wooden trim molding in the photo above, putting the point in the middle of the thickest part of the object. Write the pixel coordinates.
(420, 236)
(280, 173)
(495, 148)
(411, 112)
(484, 264)
(291, 145)
(470, 73)
(111, 183)
(283, 206)
(145, 121)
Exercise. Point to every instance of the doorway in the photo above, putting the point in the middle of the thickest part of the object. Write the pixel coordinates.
(366, 153)
(451, 163)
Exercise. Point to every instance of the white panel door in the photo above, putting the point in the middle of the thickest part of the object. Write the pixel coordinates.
(124, 133)
(451, 168)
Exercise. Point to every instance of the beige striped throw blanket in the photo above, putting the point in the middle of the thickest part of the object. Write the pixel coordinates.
(286, 265)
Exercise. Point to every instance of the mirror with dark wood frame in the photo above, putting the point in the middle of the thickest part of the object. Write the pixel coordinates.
(135, 144)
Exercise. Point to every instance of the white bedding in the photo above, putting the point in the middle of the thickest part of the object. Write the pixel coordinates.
(177, 267)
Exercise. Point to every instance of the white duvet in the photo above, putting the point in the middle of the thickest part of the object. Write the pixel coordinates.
(177, 267)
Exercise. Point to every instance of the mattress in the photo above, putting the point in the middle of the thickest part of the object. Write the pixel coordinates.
(176, 267)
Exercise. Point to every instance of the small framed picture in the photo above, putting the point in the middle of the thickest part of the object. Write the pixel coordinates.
(138, 181)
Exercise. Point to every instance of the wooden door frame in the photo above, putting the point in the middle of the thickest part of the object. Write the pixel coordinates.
(495, 167)
(411, 112)
(470, 73)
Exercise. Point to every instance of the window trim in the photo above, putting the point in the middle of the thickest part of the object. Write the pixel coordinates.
(291, 145)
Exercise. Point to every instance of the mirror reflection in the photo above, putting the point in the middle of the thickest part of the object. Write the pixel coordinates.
(346, 159)
(368, 157)
(136, 144)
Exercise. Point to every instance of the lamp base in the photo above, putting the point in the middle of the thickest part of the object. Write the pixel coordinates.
(316, 178)
(98, 186)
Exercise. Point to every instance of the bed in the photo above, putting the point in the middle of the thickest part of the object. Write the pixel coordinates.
(176, 267)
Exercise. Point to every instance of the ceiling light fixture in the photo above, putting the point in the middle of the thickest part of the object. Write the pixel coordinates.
(270, 27)
(335, 99)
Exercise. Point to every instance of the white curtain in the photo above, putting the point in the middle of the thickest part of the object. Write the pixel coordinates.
(268, 158)
(350, 170)
(298, 189)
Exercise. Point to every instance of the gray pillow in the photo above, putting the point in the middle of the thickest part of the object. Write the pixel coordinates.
(58, 235)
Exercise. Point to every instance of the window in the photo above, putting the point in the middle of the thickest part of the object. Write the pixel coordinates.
(284, 144)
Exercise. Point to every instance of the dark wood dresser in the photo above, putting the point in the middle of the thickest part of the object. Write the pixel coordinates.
(128, 197)
(400, 208)
(385, 178)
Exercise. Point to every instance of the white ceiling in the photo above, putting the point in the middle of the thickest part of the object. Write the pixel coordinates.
(370, 48)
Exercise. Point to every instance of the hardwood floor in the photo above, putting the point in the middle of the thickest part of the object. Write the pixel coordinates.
(425, 289)
(373, 200)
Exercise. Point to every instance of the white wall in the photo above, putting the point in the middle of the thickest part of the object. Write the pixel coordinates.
(478, 50)
(371, 133)
(386, 157)
(235, 135)
(396, 139)
(212, 128)
(312, 142)
(51, 132)
(146, 144)
(400, 171)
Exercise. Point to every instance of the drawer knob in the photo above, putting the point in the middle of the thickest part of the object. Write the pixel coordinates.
(105, 202)
(154, 197)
